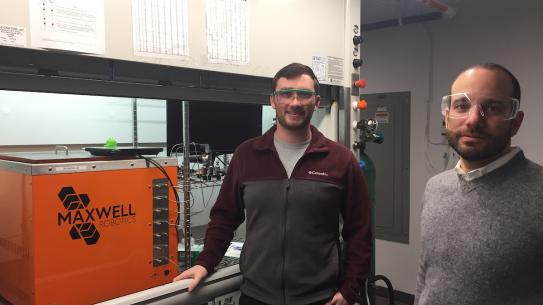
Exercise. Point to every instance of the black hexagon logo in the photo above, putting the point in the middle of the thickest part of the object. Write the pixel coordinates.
(87, 231)
(73, 201)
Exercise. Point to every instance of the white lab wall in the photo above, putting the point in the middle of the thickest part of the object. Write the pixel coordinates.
(398, 59)
(280, 32)
(314, 27)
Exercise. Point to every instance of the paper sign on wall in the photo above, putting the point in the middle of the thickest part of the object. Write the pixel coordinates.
(227, 31)
(12, 35)
(160, 28)
(328, 70)
(320, 64)
(335, 71)
(74, 25)
(382, 116)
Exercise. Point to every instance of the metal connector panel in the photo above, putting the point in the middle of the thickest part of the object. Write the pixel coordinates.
(160, 222)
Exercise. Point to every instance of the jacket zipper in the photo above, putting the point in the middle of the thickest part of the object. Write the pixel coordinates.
(283, 276)
(287, 188)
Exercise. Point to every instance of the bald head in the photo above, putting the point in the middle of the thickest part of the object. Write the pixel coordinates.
(500, 79)
(483, 81)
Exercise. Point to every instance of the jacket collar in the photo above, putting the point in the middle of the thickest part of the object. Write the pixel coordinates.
(318, 141)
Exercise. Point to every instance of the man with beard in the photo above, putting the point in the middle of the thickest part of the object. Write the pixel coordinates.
(482, 222)
(291, 185)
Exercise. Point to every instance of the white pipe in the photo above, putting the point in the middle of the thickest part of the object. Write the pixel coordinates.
(223, 281)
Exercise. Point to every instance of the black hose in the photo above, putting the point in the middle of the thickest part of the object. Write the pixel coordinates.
(376, 278)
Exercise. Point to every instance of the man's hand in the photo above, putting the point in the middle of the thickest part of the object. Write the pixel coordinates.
(196, 273)
(338, 299)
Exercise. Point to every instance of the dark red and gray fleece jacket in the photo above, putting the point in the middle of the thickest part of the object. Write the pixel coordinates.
(291, 253)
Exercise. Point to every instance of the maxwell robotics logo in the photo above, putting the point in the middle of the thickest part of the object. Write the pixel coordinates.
(83, 219)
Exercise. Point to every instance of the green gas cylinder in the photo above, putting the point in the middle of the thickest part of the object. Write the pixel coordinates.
(368, 167)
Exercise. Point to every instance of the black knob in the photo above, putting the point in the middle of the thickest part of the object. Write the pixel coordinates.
(357, 40)
(361, 145)
(357, 63)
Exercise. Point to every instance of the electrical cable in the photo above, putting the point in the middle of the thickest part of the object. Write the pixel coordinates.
(193, 200)
(218, 159)
(172, 262)
(429, 102)
(202, 191)
(175, 146)
(430, 85)
(387, 282)
(366, 291)
(176, 195)
(429, 162)
(178, 148)
(206, 203)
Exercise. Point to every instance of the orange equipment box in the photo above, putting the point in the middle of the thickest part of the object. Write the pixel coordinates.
(80, 230)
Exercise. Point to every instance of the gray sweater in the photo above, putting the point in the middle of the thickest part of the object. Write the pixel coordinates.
(482, 241)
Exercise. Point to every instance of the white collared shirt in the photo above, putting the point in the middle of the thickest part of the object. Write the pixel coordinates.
(481, 171)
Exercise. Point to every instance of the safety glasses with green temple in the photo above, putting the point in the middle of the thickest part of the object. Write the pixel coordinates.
(289, 94)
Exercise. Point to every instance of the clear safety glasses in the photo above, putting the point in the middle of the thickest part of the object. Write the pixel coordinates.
(460, 105)
(303, 95)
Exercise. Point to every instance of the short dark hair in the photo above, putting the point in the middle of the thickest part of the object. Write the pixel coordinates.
(295, 70)
(495, 66)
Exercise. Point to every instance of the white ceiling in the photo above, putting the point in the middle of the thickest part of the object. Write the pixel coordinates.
(382, 10)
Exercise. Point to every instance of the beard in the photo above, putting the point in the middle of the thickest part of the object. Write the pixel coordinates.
(297, 125)
(492, 147)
